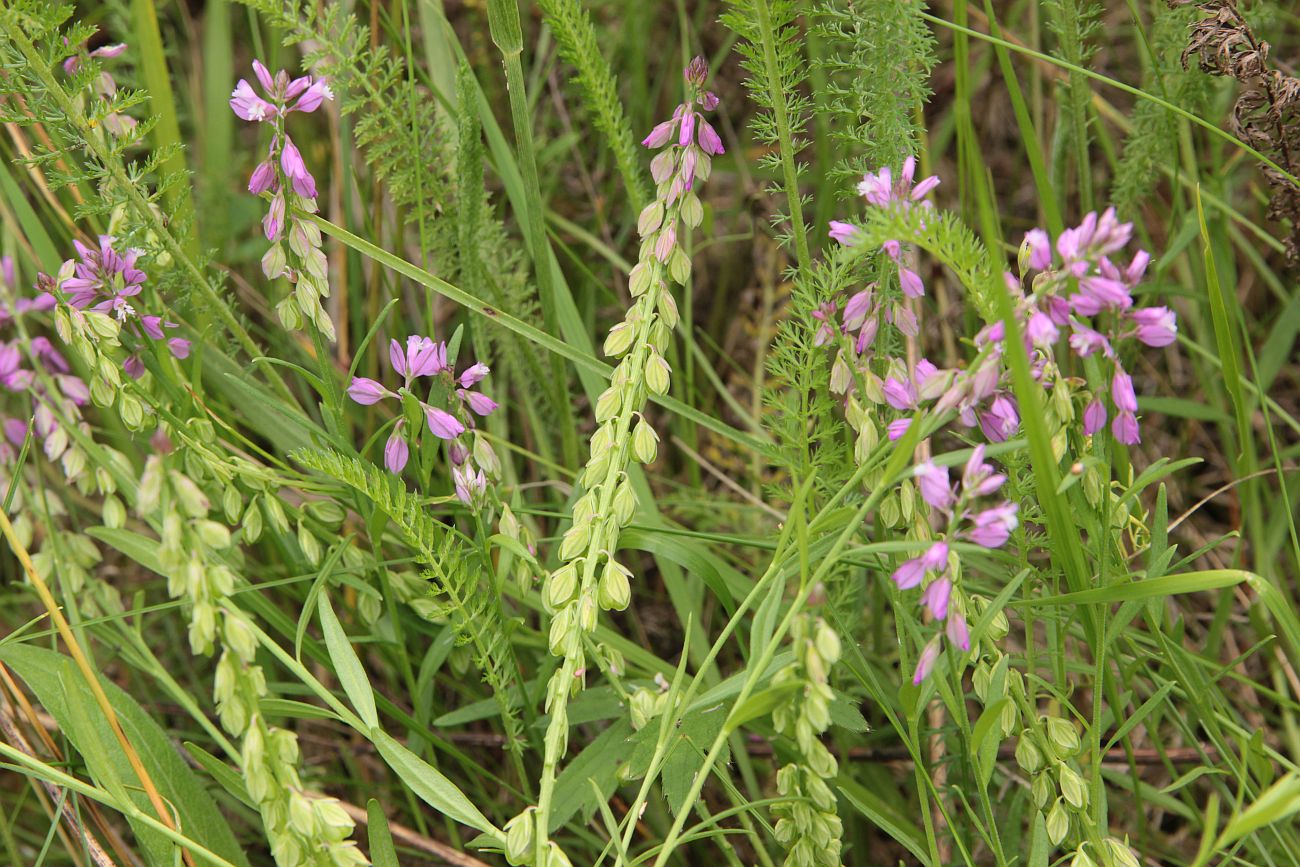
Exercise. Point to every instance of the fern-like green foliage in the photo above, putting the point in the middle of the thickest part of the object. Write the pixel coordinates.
(1153, 140)
(471, 605)
(800, 411)
(874, 117)
(576, 38)
(771, 49)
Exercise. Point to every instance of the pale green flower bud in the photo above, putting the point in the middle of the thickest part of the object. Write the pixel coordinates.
(624, 502)
(193, 501)
(212, 534)
(1082, 859)
(114, 513)
(679, 266)
(587, 614)
(1042, 790)
(692, 210)
(252, 523)
(827, 641)
(302, 818)
(102, 325)
(287, 311)
(274, 262)
(639, 279)
(309, 543)
(1121, 854)
(326, 511)
(559, 632)
(643, 708)
(240, 637)
(555, 856)
(668, 314)
(275, 512)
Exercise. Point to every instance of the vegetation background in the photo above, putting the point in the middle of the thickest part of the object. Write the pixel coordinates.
(480, 179)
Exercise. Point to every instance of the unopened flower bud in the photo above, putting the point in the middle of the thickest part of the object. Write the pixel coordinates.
(645, 442)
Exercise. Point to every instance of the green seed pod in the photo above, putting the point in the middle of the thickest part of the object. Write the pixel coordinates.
(561, 586)
(615, 591)
(1072, 787)
(619, 340)
(651, 218)
(608, 404)
(645, 442)
(1027, 755)
(1058, 823)
(519, 837)
(1063, 736)
(657, 373)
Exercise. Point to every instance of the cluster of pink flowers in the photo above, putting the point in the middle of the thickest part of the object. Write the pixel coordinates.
(988, 527)
(424, 357)
(106, 281)
(1078, 287)
(72, 392)
(692, 133)
(882, 191)
(283, 165)
(104, 85)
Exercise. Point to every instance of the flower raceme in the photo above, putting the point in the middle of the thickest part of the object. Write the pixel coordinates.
(421, 357)
(295, 252)
(987, 527)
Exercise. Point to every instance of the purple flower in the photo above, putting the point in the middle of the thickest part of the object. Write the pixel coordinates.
(367, 391)
(262, 179)
(1085, 341)
(1094, 417)
(934, 485)
(421, 357)
(895, 429)
(1125, 428)
(480, 404)
(1121, 390)
(247, 105)
(103, 279)
(900, 394)
(660, 135)
(291, 161)
(710, 142)
(1156, 326)
(880, 189)
(442, 424)
(470, 484)
(910, 282)
(1001, 420)
(396, 451)
(1039, 247)
(845, 233)
(273, 222)
(935, 598)
(992, 527)
(957, 631)
(313, 96)
(925, 662)
(1042, 331)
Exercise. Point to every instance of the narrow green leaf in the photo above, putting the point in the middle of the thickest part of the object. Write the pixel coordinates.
(347, 665)
(429, 784)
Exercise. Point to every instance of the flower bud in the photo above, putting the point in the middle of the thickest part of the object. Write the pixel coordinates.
(561, 585)
(624, 503)
(1042, 790)
(1063, 736)
(252, 523)
(608, 404)
(652, 217)
(575, 541)
(1121, 854)
(1058, 823)
(827, 641)
(643, 708)
(1027, 755)
(1072, 787)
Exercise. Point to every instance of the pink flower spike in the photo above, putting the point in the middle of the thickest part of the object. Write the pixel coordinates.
(1094, 417)
(936, 596)
(396, 451)
(367, 392)
(473, 375)
(925, 663)
(958, 632)
(934, 485)
(442, 424)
